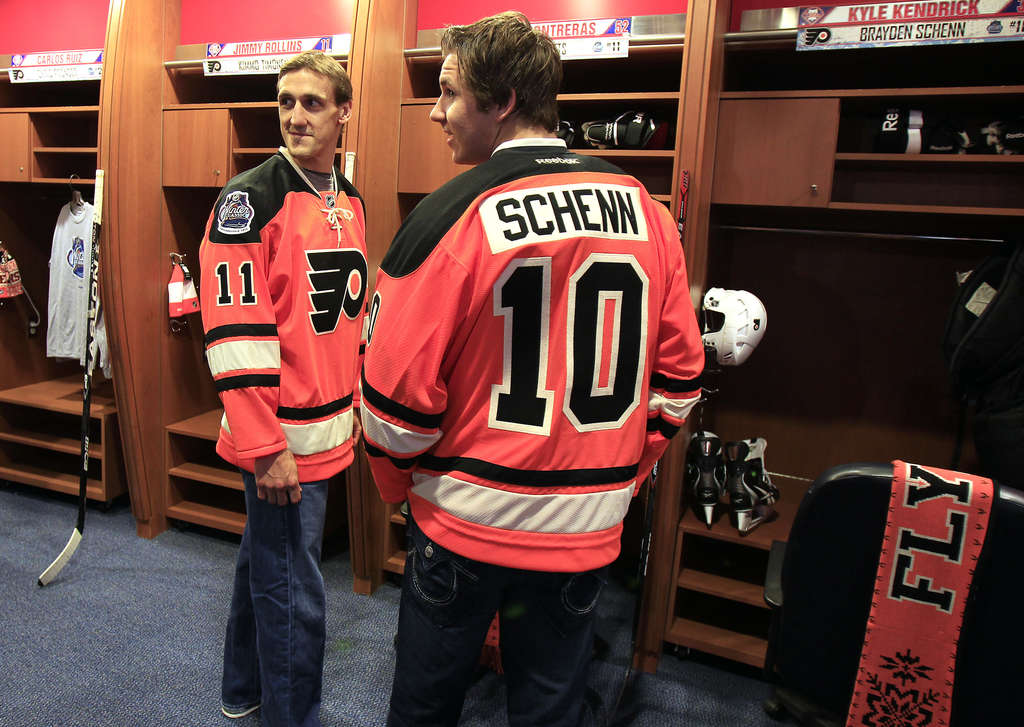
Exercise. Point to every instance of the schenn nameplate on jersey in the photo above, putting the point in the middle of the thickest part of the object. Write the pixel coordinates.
(542, 214)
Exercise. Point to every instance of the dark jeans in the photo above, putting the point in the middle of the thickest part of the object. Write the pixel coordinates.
(448, 601)
(274, 647)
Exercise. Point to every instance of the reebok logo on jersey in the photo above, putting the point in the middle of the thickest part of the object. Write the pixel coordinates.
(557, 160)
(540, 214)
(235, 214)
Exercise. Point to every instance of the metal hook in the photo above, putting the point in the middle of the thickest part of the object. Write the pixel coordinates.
(177, 257)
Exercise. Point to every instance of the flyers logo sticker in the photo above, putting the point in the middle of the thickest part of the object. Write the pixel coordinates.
(235, 214)
(818, 36)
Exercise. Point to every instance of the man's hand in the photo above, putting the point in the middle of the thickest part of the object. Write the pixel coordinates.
(277, 478)
(357, 427)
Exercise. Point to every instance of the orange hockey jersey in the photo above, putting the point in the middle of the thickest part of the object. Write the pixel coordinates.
(532, 348)
(283, 291)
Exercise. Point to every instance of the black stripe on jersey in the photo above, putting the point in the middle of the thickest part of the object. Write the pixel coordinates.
(266, 185)
(302, 413)
(402, 464)
(244, 381)
(657, 424)
(240, 330)
(389, 406)
(676, 386)
(439, 211)
(530, 478)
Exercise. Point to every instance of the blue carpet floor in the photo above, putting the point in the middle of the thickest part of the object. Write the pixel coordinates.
(131, 634)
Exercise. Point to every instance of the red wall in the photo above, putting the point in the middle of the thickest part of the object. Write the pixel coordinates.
(30, 27)
(204, 21)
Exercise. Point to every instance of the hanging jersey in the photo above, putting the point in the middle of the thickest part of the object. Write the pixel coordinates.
(532, 348)
(68, 299)
(283, 289)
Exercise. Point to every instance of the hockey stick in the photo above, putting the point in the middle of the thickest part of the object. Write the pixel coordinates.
(92, 315)
(645, 548)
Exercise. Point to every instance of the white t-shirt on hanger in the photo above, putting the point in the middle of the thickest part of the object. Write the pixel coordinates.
(70, 258)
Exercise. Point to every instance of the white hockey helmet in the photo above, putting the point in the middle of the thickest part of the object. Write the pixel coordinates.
(734, 323)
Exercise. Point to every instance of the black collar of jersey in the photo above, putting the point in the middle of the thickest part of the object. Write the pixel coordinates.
(423, 229)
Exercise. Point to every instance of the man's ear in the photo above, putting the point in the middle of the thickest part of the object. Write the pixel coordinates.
(503, 111)
(344, 112)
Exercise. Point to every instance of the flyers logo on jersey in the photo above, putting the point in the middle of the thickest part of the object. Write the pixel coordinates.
(235, 215)
(541, 214)
(338, 281)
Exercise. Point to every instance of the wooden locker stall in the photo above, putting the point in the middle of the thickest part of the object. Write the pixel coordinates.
(51, 151)
(179, 135)
(854, 253)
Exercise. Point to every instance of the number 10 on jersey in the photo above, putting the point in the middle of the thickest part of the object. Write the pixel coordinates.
(604, 317)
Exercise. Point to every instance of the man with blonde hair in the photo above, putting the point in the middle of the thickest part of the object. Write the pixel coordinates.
(283, 289)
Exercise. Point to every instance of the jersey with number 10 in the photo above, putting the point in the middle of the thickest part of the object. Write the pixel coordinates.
(532, 348)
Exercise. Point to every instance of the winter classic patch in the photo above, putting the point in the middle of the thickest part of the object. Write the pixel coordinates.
(235, 214)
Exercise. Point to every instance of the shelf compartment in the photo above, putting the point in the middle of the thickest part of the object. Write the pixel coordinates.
(211, 516)
(936, 184)
(204, 426)
(62, 395)
(722, 587)
(734, 622)
(724, 567)
(211, 475)
(47, 479)
(720, 642)
(54, 443)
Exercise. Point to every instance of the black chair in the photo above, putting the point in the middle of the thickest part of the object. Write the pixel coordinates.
(819, 585)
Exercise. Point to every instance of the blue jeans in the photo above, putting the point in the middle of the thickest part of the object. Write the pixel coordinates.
(274, 647)
(546, 627)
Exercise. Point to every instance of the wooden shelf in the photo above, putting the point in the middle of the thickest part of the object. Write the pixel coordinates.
(208, 474)
(778, 529)
(881, 92)
(59, 395)
(50, 480)
(211, 517)
(52, 442)
(55, 110)
(395, 563)
(202, 426)
(65, 150)
(627, 153)
(712, 640)
(927, 209)
(993, 159)
(233, 105)
(727, 588)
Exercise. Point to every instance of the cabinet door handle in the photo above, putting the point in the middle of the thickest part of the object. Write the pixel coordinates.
(216, 172)
(814, 189)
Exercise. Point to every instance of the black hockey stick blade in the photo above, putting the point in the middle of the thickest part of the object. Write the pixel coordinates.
(93, 313)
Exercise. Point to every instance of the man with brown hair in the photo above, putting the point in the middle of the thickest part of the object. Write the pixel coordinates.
(283, 288)
(532, 349)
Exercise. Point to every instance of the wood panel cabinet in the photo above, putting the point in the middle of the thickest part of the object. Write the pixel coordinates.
(424, 160)
(195, 147)
(14, 130)
(775, 151)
